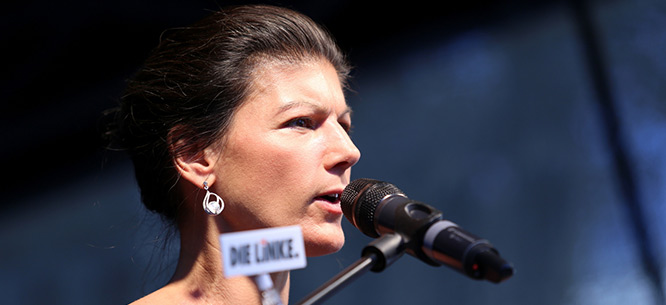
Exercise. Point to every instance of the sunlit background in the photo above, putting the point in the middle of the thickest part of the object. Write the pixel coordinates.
(539, 125)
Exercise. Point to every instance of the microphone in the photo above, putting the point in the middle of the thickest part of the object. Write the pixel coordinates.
(378, 208)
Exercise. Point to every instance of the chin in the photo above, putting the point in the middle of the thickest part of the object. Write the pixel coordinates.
(323, 244)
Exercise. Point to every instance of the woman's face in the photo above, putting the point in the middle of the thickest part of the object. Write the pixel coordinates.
(287, 155)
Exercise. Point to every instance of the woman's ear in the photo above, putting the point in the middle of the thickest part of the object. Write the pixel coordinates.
(197, 168)
(192, 164)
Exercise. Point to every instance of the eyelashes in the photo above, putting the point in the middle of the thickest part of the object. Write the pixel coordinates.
(312, 124)
(348, 127)
(301, 122)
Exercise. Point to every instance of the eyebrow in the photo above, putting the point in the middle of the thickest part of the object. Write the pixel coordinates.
(315, 106)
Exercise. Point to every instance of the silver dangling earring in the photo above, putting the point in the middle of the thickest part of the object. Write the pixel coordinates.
(212, 206)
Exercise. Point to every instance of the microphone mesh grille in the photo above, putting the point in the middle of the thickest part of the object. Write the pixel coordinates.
(360, 200)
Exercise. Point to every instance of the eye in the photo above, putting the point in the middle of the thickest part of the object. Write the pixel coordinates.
(301, 122)
(346, 125)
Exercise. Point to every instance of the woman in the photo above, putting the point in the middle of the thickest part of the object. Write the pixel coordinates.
(247, 105)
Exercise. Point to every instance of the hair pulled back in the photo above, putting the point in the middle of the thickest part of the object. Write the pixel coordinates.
(184, 97)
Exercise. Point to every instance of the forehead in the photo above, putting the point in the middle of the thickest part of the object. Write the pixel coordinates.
(314, 81)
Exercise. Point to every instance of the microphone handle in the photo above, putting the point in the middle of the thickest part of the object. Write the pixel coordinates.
(447, 243)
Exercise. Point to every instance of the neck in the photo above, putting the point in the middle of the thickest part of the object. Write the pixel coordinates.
(199, 276)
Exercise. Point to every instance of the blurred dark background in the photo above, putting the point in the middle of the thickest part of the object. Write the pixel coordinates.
(540, 125)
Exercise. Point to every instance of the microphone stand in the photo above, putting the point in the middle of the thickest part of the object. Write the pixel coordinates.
(376, 256)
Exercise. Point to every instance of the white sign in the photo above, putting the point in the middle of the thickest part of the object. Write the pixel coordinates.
(262, 251)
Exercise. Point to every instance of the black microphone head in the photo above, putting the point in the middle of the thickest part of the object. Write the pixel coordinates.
(359, 201)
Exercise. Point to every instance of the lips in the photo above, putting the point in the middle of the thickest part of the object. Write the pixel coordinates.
(332, 198)
(329, 201)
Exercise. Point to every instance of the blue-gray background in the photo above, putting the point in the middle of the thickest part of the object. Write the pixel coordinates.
(486, 110)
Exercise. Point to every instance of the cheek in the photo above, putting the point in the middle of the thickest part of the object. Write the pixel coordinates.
(270, 177)
(258, 159)
(284, 167)
(293, 158)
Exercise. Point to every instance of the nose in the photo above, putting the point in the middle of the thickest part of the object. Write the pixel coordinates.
(342, 153)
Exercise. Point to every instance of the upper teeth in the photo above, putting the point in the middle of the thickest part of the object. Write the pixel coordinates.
(332, 197)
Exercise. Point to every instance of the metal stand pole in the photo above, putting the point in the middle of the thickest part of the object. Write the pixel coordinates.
(376, 257)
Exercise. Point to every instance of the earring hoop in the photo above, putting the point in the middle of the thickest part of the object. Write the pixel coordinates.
(212, 203)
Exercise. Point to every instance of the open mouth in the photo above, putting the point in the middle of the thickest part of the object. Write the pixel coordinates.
(332, 198)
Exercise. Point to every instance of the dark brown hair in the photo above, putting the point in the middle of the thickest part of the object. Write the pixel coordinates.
(184, 97)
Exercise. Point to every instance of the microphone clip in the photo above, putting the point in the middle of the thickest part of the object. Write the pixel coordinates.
(386, 249)
(398, 215)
